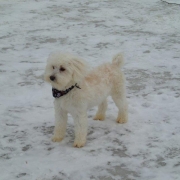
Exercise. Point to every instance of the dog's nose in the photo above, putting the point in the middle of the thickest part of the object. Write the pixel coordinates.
(52, 78)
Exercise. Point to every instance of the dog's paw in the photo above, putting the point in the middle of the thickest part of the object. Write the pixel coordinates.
(122, 119)
(99, 117)
(79, 144)
(56, 139)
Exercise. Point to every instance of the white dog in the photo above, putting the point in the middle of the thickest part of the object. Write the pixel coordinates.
(76, 90)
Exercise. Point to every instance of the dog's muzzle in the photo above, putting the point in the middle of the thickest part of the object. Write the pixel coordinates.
(52, 78)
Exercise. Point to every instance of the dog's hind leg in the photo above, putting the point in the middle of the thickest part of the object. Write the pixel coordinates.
(119, 97)
(101, 113)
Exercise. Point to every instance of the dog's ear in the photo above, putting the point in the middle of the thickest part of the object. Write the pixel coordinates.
(79, 69)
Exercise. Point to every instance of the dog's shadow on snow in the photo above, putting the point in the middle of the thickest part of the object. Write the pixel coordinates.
(48, 131)
(93, 133)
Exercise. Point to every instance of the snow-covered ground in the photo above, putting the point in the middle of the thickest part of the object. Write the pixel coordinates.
(148, 146)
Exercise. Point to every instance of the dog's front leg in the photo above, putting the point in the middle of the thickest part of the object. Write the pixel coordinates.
(60, 124)
(81, 124)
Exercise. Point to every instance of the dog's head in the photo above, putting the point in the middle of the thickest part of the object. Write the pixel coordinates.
(63, 70)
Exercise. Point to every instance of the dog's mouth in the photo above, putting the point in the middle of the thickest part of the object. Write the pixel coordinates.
(55, 84)
(53, 81)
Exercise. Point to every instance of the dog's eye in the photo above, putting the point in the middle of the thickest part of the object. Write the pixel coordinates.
(62, 69)
(53, 67)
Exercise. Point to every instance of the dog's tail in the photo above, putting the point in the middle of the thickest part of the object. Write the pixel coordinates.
(118, 60)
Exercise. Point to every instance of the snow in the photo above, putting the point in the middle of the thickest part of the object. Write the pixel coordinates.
(147, 32)
(172, 1)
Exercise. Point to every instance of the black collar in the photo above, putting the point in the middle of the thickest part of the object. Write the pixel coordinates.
(56, 93)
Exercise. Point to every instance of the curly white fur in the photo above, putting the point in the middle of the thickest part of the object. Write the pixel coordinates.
(95, 85)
